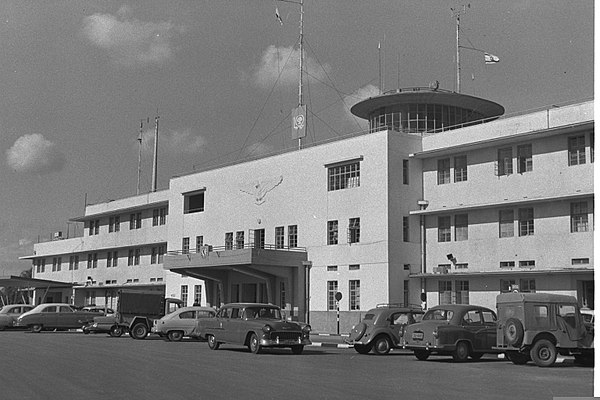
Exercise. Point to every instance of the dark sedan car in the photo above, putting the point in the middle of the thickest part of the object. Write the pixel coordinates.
(54, 316)
(459, 330)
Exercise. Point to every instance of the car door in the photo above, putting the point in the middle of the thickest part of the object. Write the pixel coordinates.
(490, 330)
(185, 321)
(47, 317)
(398, 322)
(66, 318)
(473, 328)
(235, 325)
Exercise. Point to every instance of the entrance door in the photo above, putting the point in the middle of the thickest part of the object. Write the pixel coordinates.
(249, 293)
(259, 238)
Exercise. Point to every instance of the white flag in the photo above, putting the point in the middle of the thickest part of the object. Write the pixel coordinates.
(490, 58)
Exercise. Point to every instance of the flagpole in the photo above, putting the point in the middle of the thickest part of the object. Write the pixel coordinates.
(139, 171)
(457, 13)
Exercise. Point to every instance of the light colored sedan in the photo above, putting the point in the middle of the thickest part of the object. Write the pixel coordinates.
(182, 322)
(54, 316)
(10, 313)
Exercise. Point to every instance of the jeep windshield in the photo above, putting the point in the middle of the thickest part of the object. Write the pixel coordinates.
(438, 315)
(263, 313)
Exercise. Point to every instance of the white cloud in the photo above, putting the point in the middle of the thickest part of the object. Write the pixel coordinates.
(34, 153)
(358, 95)
(282, 63)
(174, 142)
(129, 41)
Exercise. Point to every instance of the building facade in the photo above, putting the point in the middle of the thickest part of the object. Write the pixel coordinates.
(441, 201)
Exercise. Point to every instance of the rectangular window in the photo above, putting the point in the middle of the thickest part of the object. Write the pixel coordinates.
(292, 236)
(443, 171)
(135, 220)
(162, 216)
(505, 166)
(282, 299)
(354, 230)
(332, 232)
(153, 256)
(461, 227)
(185, 245)
(155, 217)
(460, 169)
(193, 203)
(579, 216)
(527, 264)
(115, 258)
(259, 239)
(94, 227)
(136, 260)
(332, 288)
(577, 150)
(353, 267)
(279, 237)
(199, 243)
(524, 158)
(406, 293)
(343, 176)
(90, 261)
(405, 172)
(444, 234)
(228, 240)
(445, 292)
(507, 264)
(580, 261)
(114, 224)
(526, 221)
(405, 229)
(507, 285)
(462, 292)
(198, 294)
(592, 146)
(73, 263)
(332, 268)
(129, 257)
(407, 267)
(161, 253)
(109, 259)
(506, 223)
(354, 295)
(184, 294)
(527, 285)
(239, 240)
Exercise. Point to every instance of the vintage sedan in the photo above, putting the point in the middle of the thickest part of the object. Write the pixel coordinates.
(459, 330)
(54, 316)
(183, 322)
(10, 313)
(255, 325)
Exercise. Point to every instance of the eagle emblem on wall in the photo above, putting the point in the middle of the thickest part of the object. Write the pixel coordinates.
(259, 189)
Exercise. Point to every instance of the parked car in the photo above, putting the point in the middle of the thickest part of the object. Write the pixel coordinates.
(98, 309)
(10, 313)
(382, 328)
(254, 325)
(539, 326)
(183, 322)
(54, 316)
(459, 330)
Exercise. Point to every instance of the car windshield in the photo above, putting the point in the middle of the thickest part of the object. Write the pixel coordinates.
(263, 313)
(438, 315)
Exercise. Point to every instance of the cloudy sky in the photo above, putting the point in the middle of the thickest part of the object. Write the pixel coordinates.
(78, 77)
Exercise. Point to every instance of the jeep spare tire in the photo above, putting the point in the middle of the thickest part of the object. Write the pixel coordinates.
(513, 332)
(357, 331)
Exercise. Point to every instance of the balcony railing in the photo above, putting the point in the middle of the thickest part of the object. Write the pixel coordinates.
(207, 249)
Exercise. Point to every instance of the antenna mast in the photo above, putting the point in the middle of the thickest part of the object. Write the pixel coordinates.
(300, 94)
(155, 164)
(457, 13)
(139, 171)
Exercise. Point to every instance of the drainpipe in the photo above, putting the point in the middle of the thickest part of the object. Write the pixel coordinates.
(422, 206)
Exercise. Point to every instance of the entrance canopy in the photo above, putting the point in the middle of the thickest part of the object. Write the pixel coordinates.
(22, 282)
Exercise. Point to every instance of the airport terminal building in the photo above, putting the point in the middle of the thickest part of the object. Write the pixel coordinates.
(442, 200)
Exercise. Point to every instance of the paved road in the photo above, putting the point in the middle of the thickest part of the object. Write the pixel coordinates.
(61, 365)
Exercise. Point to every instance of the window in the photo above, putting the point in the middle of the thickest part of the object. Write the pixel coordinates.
(115, 258)
(461, 227)
(154, 255)
(94, 227)
(527, 264)
(577, 150)
(445, 292)
(159, 216)
(136, 260)
(155, 217)
(161, 253)
(579, 217)
(353, 267)
(504, 163)
(524, 159)
(282, 299)
(129, 257)
(443, 171)
(407, 267)
(527, 285)
(199, 243)
(354, 295)
(343, 176)
(525, 221)
(332, 288)
(135, 220)
(506, 285)
(239, 240)
(444, 229)
(354, 230)
(279, 237)
(506, 223)
(332, 268)
(185, 245)
(109, 259)
(184, 294)
(228, 240)
(198, 294)
(114, 224)
(406, 294)
(56, 264)
(73, 263)
(259, 238)
(292, 236)
(40, 265)
(405, 172)
(507, 264)
(461, 265)
(405, 229)
(193, 203)
(592, 146)
(460, 169)
(462, 292)
(580, 261)
(332, 232)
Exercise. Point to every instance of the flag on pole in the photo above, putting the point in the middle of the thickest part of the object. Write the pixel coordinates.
(490, 58)
(299, 122)
(278, 16)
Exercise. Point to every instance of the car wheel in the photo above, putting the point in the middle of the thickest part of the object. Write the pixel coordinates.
(543, 353)
(382, 345)
(175, 336)
(357, 331)
(212, 342)
(513, 332)
(422, 354)
(461, 353)
(297, 349)
(139, 331)
(362, 349)
(116, 331)
(517, 358)
(37, 328)
(254, 345)
(476, 356)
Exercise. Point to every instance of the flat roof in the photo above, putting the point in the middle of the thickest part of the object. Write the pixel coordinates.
(19, 281)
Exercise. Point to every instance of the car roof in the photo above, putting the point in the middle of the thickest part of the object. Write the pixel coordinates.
(515, 297)
(459, 307)
(194, 308)
(243, 305)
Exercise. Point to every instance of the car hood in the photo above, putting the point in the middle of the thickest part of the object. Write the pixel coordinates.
(282, 325)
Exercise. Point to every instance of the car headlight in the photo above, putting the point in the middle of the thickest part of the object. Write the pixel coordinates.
(267, 329)
(306, 328)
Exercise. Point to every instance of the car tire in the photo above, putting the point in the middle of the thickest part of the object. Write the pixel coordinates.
(461, 353)
(175, 336)
(116, 331)
(139, 331)
(517, 358)
(382, 345)
(362, 348)
(357, 331)
(254, 344)
(36, 328)
(513, 332)
(212, 342)
(297, 349)
(422, 355)
(543, 353)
